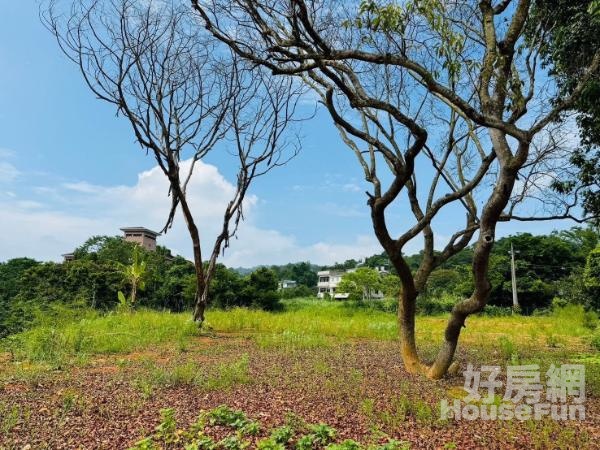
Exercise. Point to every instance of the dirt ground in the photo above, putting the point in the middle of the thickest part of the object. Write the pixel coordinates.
(360, 388)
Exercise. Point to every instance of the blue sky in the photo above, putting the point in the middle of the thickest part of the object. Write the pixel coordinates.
(70, 169)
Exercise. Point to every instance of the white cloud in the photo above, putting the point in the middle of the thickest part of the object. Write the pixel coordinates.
(258, 246)
(44, 229)
(8, 172)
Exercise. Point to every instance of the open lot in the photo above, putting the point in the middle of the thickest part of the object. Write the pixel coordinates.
(100, 381)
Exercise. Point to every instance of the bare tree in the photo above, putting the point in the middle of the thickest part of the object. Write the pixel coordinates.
(457, 86)
(185, 95)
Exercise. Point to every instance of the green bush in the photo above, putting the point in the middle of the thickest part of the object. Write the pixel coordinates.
(590, 320)
(496, 311)
(297, 292)
(430, 306)
(228, 289)
(595, 341)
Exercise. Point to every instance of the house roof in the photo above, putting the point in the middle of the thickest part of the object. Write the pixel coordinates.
(139, 230)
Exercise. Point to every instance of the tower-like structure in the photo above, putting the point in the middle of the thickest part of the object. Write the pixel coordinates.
(142, 236)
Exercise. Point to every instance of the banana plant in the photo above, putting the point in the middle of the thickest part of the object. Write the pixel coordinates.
(134, 274)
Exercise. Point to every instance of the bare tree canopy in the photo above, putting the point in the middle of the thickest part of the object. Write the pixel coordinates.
(185, 95)
(456, 87)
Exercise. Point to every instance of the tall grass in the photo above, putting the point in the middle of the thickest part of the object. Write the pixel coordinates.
(99, 334)
(309, 318)
(302, 324)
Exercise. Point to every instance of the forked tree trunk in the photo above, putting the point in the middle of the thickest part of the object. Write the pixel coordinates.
(481, 257)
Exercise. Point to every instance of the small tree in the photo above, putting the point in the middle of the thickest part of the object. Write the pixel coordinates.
(261, 289)
(135, 274)
(183, 94)
(361, 283)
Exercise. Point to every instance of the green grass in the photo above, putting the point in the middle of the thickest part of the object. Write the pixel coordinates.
(303, 324)
(99, 334)
(309, 318)
(219, 377)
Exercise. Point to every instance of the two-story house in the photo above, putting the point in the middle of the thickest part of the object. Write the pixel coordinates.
(327, 284)
(329, 280)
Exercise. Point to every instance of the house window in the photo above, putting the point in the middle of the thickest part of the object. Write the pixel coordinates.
(323, 279)
(322, 289)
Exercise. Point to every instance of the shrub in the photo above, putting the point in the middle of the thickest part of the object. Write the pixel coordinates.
(596, 341)
(496, 311)
(282, 435)
(297, 292)
(590, 320)
(430, 306)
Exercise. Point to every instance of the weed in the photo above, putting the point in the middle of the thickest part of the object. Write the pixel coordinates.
(145, 444)
(282, 435)
(323, 433)
(392, 445)
(306, 442)
(225, 416)
(166, 431)
(71, 401)
(590, 320)
(553, 341)
(595, 341)
(145, 387)
(507, 347)
(228, 375)
(233, 443)
(269, 444)
(348, 444)
(291, 340)
(183, 374)
(194, 438)
(9, 417)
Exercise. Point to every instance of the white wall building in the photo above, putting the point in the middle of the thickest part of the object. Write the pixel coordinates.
(288, 284)
(329, 279)
(327, 283)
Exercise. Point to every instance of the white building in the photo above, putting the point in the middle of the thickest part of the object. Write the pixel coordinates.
(288, 284)
(329, 280)
(327, 283)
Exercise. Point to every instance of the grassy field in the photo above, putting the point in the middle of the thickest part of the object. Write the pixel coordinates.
(314, 361)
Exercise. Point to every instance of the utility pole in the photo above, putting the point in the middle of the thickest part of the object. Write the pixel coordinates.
(513, 274)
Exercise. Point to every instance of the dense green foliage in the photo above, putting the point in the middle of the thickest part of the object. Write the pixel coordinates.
(104, 266)
(258, 289)
(364, 283)
(572, 39)
(561, 268)
(303, 273)
(547, 266)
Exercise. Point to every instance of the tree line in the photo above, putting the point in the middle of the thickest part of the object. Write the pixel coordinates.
(30, 289)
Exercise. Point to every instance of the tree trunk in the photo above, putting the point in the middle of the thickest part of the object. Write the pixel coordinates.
(200, 307)
(133, 293)
(406, 326)
(201, 285)
(481, 257)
